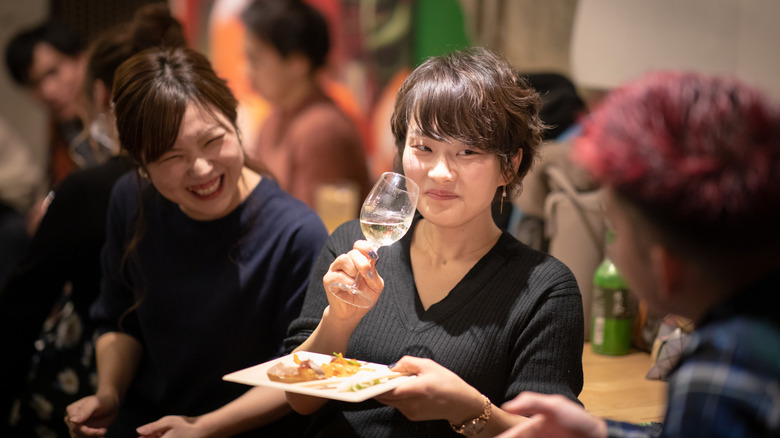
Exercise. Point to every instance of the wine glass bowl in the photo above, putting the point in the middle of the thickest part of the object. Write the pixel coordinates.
(385, 217)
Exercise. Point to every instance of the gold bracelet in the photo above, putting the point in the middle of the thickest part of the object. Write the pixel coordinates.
(476, 425)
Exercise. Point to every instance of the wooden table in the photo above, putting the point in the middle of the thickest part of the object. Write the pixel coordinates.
(616, 387)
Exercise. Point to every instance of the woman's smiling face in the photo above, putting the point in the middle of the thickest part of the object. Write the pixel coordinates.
(457, 182)
(201, 171)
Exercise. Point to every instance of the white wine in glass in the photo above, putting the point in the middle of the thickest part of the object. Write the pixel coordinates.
(385, 217)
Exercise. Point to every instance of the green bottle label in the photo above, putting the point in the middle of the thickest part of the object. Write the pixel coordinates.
(612, 309)
(611, 321)
(610, 336)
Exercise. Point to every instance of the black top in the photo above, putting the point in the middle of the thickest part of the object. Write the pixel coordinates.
(512, 324)
(65, 249)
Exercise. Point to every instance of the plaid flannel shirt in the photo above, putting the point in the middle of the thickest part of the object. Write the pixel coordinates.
(727, 382)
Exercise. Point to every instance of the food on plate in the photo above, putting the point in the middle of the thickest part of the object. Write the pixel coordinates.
(303, 371)
(340, 367)
(307, 370)
(357, 385)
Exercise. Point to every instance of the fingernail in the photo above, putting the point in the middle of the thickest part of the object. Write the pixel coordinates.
(370, 274)
(392, 365)
(373, 254)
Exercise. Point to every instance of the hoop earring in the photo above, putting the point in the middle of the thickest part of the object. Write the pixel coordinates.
(501, 209)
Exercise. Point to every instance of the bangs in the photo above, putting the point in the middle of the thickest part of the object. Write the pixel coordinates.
(161, 115)
(449, 109)
(151, 94)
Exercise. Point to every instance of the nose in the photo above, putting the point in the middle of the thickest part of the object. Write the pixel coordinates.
(201, 166)
(441, 169)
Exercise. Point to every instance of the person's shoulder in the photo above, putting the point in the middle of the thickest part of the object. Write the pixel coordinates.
(732, 365)
(518, 252)
(320, 105)
(128, 181)
(99, 178)
(285, 209)
(741, 340)
(542, 267)
(125, 194)
(325, 117)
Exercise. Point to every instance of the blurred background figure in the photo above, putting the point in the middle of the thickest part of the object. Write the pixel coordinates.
(48, 60)
(60, 276)
(307, 141)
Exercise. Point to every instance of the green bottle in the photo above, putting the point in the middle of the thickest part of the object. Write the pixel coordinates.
(611, 312)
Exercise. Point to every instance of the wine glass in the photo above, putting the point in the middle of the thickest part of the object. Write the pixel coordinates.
(385, 217)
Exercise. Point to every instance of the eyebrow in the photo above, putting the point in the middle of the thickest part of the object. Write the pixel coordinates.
(209, 130)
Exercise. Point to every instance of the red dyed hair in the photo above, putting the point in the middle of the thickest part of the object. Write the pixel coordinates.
(698, 155)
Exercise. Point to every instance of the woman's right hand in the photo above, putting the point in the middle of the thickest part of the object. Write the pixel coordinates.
(355, 267)
(91, 416)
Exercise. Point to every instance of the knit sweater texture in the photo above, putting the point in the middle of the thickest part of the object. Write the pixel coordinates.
(513, 323)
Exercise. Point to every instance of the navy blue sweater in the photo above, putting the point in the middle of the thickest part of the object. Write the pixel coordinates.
(217, 296)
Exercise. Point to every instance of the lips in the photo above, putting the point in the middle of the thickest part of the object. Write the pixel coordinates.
(441, 194)
(208, 189)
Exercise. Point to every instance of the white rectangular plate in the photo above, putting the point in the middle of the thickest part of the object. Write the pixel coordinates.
(257, 376)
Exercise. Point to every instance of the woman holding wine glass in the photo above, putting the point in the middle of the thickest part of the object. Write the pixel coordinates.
(474, 313)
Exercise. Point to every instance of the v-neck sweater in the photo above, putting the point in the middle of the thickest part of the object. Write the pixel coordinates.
(513, 323)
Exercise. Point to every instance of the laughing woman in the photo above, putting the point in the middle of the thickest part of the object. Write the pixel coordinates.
(477, 315)
(205, 264)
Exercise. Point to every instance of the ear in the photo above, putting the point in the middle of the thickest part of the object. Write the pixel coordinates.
(517, 159)
(668, 270)
(515, 163)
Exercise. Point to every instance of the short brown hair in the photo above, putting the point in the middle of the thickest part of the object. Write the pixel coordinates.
(476, 97)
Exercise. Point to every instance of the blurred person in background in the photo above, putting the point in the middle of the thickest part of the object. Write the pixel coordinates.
(48, 60)
(307, 140)
(689, 164)
(59, 277)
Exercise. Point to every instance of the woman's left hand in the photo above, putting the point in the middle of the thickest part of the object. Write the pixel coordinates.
(172, 426)
(358, 266)
(436, 393)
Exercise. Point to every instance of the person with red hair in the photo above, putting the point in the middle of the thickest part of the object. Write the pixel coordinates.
(690, 166)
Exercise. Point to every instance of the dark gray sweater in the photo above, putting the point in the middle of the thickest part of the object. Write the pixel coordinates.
(513, 323)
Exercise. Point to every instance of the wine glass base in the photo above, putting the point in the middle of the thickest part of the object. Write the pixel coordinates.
(350, 295)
